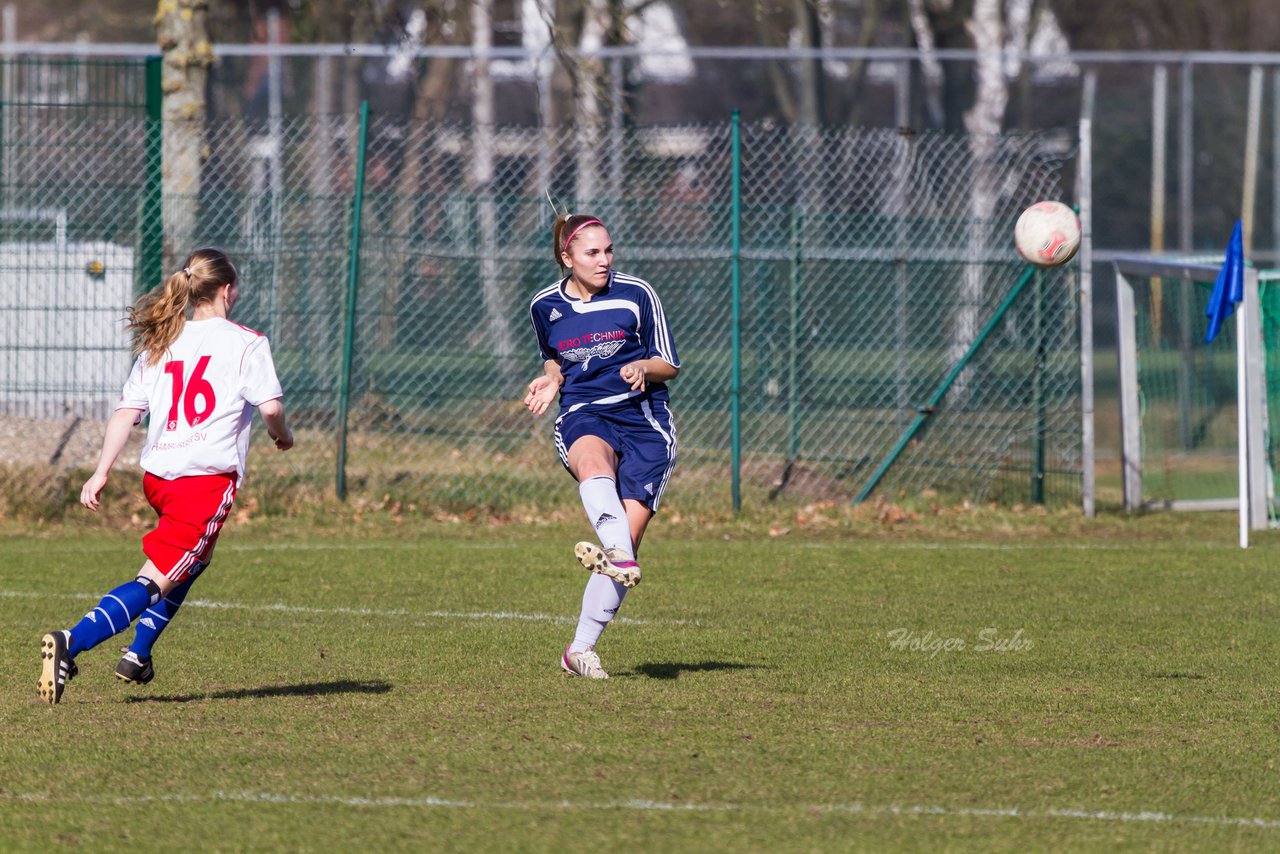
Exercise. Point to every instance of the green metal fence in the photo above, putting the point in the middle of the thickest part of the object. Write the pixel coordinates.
(80, 225)
(823, 287)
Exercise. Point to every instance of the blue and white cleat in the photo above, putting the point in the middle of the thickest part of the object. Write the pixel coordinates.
(612, 563)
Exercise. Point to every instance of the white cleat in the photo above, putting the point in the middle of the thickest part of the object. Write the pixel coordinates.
(612, 563)
(583, 664)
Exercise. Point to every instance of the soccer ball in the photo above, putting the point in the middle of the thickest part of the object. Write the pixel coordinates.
(1047, 234)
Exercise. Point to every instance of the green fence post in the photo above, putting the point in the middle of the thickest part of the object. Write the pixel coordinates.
(150, 267)
(735, 284)
(353, 280)
(1037, 393)
(6, 72)
(793, 341)
(736, 287)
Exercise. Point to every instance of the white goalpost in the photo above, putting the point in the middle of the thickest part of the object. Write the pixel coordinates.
(1175, 412)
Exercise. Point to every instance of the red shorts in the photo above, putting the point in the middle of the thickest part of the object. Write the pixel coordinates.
(192, 510)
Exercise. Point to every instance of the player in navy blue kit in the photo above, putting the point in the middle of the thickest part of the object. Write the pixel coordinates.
(608, 353)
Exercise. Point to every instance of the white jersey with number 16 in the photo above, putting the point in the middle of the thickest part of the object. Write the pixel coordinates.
(201, 397)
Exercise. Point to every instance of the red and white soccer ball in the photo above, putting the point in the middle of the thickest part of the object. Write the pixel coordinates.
(1047, 234)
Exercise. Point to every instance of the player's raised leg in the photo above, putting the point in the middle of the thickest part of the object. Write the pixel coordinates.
(619, 566)
(598, 488)
(613, 563)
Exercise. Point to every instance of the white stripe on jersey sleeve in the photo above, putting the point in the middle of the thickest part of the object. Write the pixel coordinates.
(547, 291)
(540, 295)
(661, 332)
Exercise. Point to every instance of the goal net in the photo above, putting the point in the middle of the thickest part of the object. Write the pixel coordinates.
(1181, 426)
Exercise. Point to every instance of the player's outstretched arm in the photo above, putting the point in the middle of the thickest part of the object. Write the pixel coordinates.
(273, 416)
(543, 389)
(118, 426)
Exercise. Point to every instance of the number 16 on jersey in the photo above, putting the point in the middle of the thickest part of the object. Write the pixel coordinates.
(197, 398)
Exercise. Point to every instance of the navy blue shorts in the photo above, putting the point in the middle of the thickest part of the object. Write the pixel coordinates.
(642, 434)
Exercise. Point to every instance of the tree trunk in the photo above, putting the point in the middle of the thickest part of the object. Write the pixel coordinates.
(429, 105)
(930, 67)
(585, 85)
(983, 121)
(811, 71)
(807, 139)
(588, 119)
(867, 32)
(183, 37)
(777, 76)
(481, 179)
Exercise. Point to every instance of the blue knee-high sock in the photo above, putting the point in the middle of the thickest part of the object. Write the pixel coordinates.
(156, 619)
(113, 615)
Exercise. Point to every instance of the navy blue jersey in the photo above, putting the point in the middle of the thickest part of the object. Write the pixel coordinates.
(592, 340)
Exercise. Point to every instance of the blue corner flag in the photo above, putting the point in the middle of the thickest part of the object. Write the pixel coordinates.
(1228, 290)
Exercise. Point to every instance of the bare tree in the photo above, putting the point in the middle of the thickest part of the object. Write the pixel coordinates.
(574, 81)
(983, 121)
(183, 37)
(583, 86)
(812, 77)
(931, 68)
(868, 30)
(941, 25)
(587, 117)
(798, 103)
(996, 28)
(431, 100)
(481, 185)
(1170, 24)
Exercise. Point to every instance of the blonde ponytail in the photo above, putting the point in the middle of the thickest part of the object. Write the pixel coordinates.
(157, 318)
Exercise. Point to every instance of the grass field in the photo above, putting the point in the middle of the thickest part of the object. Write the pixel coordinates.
(1003, 682)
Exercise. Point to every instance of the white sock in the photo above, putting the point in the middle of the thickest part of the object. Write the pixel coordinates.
(606, 514)
(600, 602)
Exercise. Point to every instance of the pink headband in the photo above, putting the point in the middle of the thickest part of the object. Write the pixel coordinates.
(574, 233)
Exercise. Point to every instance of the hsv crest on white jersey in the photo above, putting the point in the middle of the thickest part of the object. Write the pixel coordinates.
(201, 396)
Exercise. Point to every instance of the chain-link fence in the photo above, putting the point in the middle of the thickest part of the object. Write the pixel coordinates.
(885, 337)
(75, 170)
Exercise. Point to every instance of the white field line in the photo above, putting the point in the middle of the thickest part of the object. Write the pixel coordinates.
(364, 612)
(1143, 817)
(43, 547)
(852, 546)
(1013, 547)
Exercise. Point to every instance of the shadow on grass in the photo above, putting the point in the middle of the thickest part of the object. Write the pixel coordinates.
(671, 670)
(305, 689)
